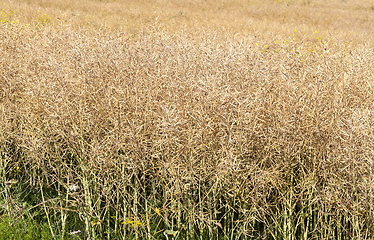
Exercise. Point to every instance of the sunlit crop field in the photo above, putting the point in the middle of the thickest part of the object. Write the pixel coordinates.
(187, 119)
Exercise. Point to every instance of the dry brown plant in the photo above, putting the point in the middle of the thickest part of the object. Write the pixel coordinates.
(190, 121)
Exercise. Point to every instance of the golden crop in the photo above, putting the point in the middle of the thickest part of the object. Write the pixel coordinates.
(189, 119)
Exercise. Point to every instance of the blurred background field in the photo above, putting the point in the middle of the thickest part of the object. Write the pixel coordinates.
(345, 19)
(186, 119)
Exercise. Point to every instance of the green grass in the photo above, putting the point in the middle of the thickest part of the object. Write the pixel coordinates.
(19, 228)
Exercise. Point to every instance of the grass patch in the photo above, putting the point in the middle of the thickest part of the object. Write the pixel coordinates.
(22, 229)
